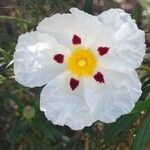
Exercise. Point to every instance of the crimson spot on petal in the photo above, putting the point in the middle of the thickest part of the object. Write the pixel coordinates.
(103, 50)
(76, 39)
(74, 83)
(99, 77)
(59, 58)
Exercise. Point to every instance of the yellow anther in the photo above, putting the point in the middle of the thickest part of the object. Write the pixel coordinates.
(81, 62)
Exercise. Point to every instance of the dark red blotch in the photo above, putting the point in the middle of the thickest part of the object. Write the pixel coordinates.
(103, 50)
(74, 83)
(76, 40)
(59, 58)
(99, 77)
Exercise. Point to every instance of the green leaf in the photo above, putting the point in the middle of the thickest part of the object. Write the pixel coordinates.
(146, 82)
(141, 106)
(46, 131)
(121, 125)
(2, 79)
(10, 96)
(88, 6)
(36, 104)
(146, 91)
(14, 18)
(142, 138)
(136, 13)
(5, 54)
(19, 129)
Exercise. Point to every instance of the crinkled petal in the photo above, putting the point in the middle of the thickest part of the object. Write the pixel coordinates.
(63, 106)
(60, 26)
(64, 26)
(113, 28)
(126, 41)
(33, 60)
(116, 97)
(88, 27)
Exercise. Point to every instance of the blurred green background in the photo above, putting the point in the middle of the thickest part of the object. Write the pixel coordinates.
(24, 127)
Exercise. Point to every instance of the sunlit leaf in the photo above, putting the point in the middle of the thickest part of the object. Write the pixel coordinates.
(14, 19)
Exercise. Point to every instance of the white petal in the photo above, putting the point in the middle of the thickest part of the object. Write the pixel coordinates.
(113, 28)
(63, 106)
(87, 26)
(33, 60)
(60, 26)
(64, 26)
(126, 41)
(116, 97)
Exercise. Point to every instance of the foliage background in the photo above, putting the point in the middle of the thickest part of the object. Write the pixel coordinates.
(24, 127)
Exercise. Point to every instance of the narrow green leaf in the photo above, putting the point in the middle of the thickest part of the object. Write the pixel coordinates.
(141, 106)
(88, 6)
(8, 95)
(136, 13)
(121, 125)
(17, 131)
(5, 54)
(146, 82)
(36, 104)
(13, 18)
(142, 138)
(46, 131)
(2, 79)
(146, 91)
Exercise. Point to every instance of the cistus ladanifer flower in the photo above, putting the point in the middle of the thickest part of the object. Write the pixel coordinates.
(87, 64)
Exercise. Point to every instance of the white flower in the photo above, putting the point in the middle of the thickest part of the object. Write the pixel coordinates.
(87, 63)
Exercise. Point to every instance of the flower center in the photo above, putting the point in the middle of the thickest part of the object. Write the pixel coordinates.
(82, 62)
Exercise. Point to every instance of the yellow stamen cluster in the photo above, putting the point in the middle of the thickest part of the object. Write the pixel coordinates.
(82, 62)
